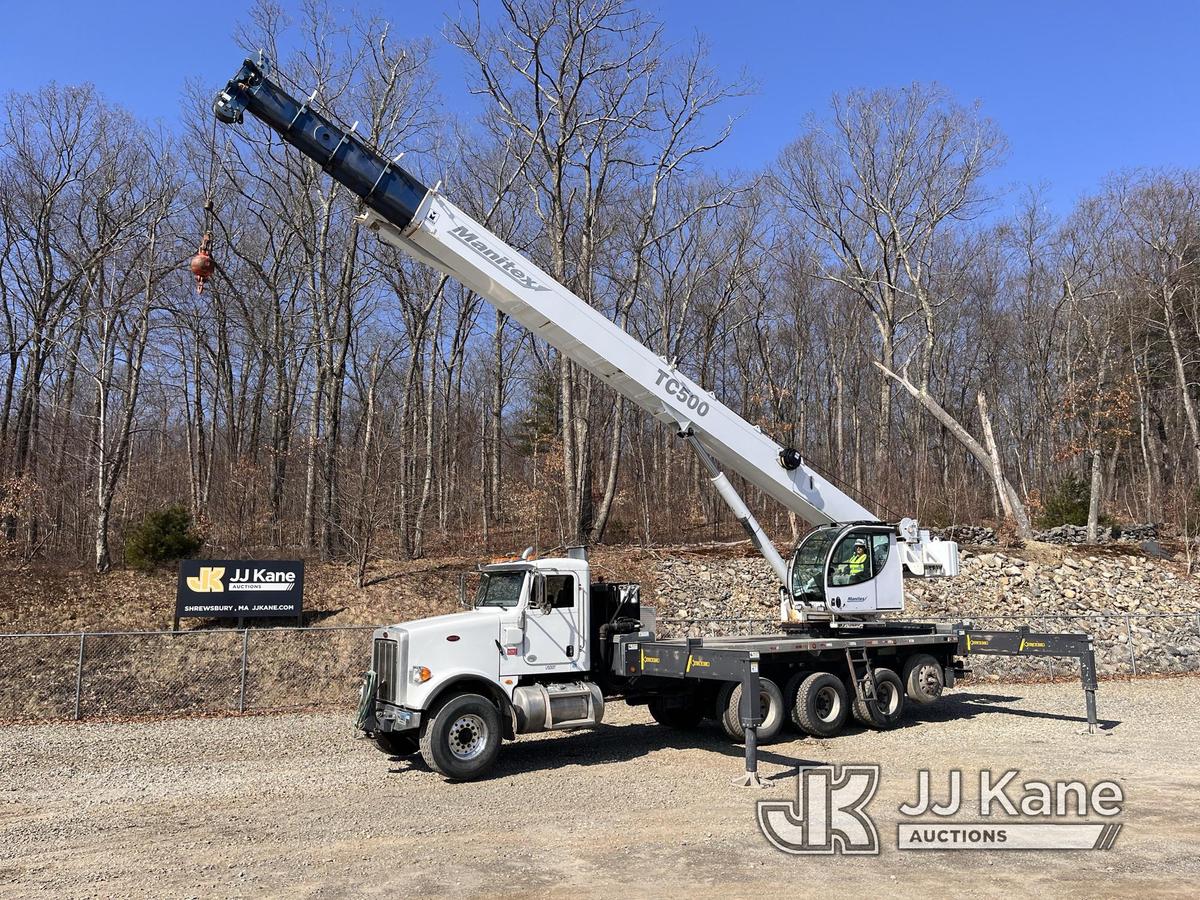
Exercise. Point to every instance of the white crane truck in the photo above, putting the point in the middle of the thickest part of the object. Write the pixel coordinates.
(544, 647)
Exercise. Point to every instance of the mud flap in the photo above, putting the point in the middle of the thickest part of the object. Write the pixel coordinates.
(365, 720)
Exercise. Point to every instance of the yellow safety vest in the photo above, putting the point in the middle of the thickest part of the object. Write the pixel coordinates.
(858, 564)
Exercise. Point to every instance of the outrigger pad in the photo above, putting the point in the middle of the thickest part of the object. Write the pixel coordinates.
(750, 780)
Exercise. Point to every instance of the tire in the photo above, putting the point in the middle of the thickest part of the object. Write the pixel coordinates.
(822, 705)
(730, 696)
(462, 740)
(789, 696)
(675, 716)
(891, 705)
(924, 679)
(397, 744)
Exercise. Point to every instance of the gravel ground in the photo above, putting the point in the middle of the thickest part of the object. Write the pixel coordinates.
(293, 805)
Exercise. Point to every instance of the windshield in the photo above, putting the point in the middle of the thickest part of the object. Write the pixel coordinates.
(500, 589)
(808, 575)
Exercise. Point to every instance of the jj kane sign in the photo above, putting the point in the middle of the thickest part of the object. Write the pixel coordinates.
(239, 588)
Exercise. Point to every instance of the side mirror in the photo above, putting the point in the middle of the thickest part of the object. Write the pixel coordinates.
(538, 599)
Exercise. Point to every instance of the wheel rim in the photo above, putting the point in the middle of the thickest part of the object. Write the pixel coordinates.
(764, 705)
(888, 698)
(929, 681)
(827, 704)
(468, 736)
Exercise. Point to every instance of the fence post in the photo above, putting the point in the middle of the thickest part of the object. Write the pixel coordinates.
(245, 647)
(79, 676)
(1132, 651)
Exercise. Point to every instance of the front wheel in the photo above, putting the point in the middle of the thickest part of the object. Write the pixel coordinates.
(462, 740)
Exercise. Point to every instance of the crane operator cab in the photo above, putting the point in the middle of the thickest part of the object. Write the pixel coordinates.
(846, 571)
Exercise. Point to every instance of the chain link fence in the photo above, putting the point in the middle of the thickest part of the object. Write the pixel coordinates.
(97, 675)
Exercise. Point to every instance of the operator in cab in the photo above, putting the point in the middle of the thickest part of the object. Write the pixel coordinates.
(854, 569)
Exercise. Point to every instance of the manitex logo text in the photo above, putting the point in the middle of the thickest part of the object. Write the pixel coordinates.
(830, 814)
(499, 260)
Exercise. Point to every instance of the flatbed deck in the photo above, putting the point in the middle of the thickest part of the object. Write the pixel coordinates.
(743, 657)
(722, 657)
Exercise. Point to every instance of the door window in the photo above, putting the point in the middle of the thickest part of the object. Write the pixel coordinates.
(560, 591)
(881, 546)
(851, 561)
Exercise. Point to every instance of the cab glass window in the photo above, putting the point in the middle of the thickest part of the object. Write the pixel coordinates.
(560, 591)
(808, 585)
(881, 546)
(500, 589)
(851, 561)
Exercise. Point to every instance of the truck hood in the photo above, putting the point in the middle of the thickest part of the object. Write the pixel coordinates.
(474, 652)
(463, 623)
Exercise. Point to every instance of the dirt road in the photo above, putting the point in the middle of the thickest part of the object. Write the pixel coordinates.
(294, 806)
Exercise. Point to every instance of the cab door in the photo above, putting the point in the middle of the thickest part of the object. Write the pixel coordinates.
(850, 581)
(552, 623)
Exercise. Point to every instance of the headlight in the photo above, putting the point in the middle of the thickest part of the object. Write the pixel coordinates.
(419, 674)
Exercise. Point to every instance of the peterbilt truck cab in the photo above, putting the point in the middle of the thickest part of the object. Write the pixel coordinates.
(527, 656)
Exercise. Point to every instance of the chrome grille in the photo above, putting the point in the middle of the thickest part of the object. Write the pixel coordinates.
(385, 661)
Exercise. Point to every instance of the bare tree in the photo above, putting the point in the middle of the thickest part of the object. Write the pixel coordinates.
(876, 186)
(574, 78)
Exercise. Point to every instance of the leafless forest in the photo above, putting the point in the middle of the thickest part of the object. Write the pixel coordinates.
(877, 297)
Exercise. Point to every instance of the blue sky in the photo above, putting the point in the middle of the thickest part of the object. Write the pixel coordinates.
(1080, 89)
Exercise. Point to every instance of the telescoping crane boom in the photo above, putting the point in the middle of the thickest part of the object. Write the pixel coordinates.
(425, 224)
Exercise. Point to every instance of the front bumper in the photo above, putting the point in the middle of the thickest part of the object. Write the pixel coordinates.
(394, 719)
(377, 716)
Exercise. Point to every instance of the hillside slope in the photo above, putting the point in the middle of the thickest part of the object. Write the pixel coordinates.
(1115, 593)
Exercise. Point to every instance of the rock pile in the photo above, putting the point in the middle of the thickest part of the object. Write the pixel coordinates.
(1077, 534)
(1125, 601)
(703, 590)
(983, 536)
(1146, 532)
(972, 535)
(998, 584)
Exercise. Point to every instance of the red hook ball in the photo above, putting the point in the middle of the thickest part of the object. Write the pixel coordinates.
(202, 265)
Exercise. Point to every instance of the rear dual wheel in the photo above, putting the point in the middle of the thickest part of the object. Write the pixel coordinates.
(684, 713)
(889, 705)
(728, 713)
(923, 677)
(822, 704)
